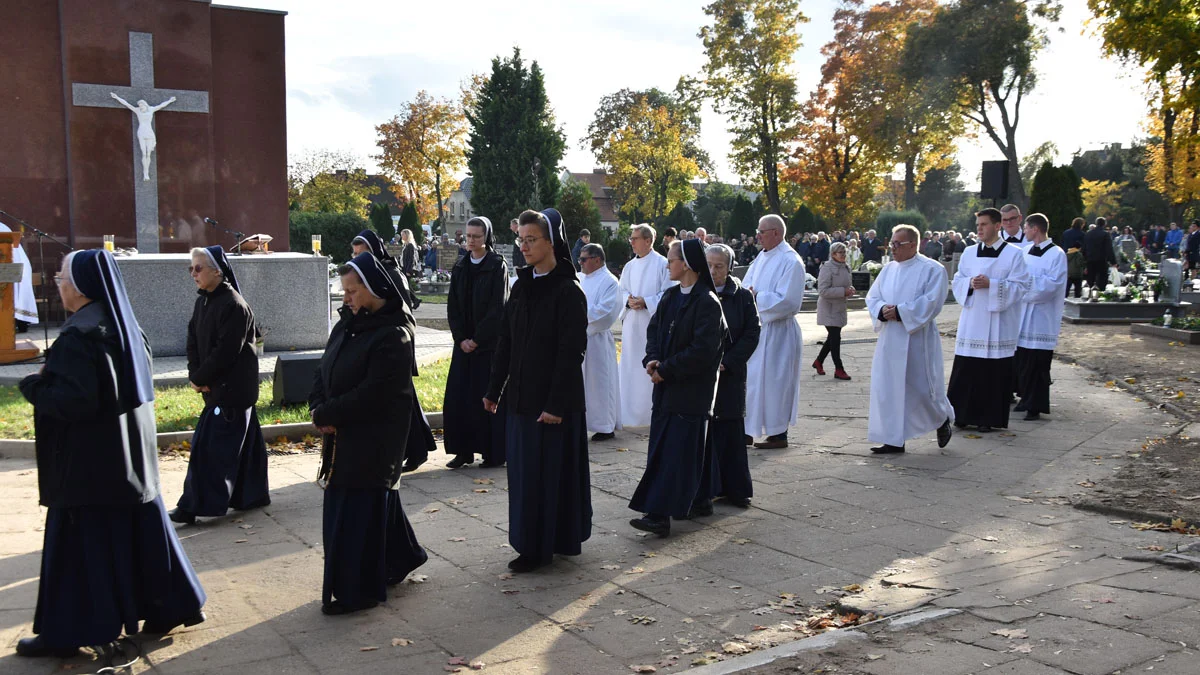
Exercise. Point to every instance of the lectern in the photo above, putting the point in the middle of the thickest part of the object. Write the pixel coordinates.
(10, 273)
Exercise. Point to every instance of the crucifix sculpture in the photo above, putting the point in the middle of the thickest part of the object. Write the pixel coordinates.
(141, 89)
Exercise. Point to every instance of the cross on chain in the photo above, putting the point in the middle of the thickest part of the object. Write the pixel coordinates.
(141, 86)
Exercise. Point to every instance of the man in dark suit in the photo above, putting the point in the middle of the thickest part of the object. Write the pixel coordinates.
(872, 247)
(1073, 237)
(1098, 250)
(1193, 248)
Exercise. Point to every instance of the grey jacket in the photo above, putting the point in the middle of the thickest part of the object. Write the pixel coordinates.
(832, 283)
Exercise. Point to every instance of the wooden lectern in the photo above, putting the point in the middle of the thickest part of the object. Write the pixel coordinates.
(10, 274)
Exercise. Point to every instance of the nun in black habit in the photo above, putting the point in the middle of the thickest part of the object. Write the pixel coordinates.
(420, 436)
(684, 344)
(475, 310)
(110, 556)
(537, 372)
(228, 462)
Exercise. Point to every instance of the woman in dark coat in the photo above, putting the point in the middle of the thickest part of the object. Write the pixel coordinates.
(538, 373)
(475, 309)
(684, 342)
(420, 436)
(110, 556)
(228, 462)
(361, 402)
(727, 440)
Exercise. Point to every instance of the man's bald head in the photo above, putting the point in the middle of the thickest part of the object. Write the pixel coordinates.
(771, 231)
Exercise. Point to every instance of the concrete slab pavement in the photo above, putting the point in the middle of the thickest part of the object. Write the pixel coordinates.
(984, 526)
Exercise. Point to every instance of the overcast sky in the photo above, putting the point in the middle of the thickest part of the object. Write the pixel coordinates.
(351, 65)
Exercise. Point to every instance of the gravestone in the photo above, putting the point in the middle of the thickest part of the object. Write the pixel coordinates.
(1129, 247)
(1171, 272)
(505, 251)
(447, 256)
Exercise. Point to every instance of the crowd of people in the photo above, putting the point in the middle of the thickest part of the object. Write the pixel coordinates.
(711, 363)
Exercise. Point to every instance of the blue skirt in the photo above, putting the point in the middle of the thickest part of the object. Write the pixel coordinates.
(369, 544)
(674, 465)
(549, 487)
(228, 463)
(726, 446)
(104, 568)
(468, 428)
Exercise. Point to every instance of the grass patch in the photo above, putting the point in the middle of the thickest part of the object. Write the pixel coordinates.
(177, 408)
(434, 298)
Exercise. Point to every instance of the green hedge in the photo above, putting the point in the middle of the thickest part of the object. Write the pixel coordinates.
(889, 219)
(337, 230)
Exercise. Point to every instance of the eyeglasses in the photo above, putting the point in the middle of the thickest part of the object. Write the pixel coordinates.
(529, 241)
(196, 269)
(585, 258)
(58, 278)
(474, 237)
(898, 244)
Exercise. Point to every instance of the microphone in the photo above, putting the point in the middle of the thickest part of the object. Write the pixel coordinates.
(212, 222)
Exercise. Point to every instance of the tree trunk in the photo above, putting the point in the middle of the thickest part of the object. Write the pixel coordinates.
(1168, 141)
(910, 183)
(437, 191)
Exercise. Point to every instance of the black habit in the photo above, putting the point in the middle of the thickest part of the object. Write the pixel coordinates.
(726, 445)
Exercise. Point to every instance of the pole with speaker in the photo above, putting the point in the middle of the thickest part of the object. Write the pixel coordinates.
(994, 181)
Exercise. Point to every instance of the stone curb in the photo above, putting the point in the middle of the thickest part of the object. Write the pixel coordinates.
(21, 449)
(1122, 512)
(821, 642)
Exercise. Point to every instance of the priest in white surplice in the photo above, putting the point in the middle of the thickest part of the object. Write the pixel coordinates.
(908, 396)
(776, 278)
(990, 284)
(24, 303)
(601, 385)
(1042, 317)
(642, 284)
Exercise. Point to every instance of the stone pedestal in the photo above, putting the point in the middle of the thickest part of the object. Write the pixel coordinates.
(1082, 311)
(289, 293)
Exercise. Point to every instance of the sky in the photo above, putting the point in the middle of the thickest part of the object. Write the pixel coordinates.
(352, 64)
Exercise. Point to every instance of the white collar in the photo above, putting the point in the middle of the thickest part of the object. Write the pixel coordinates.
(686, 289)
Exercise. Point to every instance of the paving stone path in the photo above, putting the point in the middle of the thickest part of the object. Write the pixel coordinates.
(984, 526)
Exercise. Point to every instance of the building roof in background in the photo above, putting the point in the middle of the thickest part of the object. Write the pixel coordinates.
(597, 181)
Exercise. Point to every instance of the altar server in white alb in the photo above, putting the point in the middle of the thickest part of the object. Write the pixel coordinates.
(776, 278)
(24, 304)
(990, 285)
(908, 398)
(601, 385)
(1042, 317)
(642, 284)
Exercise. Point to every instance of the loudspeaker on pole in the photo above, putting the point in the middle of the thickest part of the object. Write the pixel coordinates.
(994, 180)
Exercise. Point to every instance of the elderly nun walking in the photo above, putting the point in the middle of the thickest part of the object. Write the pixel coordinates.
(684, 343)
(110, 557)
(227, 467)
(475, 309)
(538, 373)
(361, 402)
(420, 440)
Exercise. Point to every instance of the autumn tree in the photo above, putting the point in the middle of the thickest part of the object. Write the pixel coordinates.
(1164, 38)
(514, 145)
(647, 164)
(616, 110)
(978, 55)
(422, 148)
(330, 181)
(749, 48)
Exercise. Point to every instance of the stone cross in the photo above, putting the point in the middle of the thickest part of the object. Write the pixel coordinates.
(141, 86)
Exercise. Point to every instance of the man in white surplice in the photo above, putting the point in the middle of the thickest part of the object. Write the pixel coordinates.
(642, 284)
(990, 284)
(908, 394)
(776, 278)
(1041, 317)
(601, 387)
(25, 305)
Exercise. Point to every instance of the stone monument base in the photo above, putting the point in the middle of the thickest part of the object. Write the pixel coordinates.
(1082, 311)
(289, 293)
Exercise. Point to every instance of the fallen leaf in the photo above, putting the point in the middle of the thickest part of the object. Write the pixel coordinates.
(417, 578)
(1086, 483)
(401, 642)
(852, 588)
(1023, 500)
(761, 611)
(368, 649)
(741, 542)
(506, 576)
(635, 570)
(1022, 648)
(735, 648)
(457, 539)
(622, 449)
(481, 491)
(610, 567)
(240, 541)
(1011, 633)
(990, 538)
(644, 669)
(457, 661)
(874, 657)
(972, 436)
(510, 591)
(431, 509)
(483, 481)
(476, 665)
(619, 612)
(642, 620)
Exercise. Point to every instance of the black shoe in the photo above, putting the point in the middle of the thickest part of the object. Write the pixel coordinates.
(700, 510)
(886, 449)
(182, 517)
(458, 461)
(491, 465)
(1020, 407)
(524, 564)
(775, 442)
(749, 441)
(152, 627)
(262, 503)
(960, 425)
(660, 525)
(337, 608)
(944, 433)
(1031, 416)
(409, 467)
(740, 502)
(985, 429)
(35, 647)
(598, 436)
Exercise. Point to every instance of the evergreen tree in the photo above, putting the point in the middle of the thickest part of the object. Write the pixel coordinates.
(381, 221)
(410, 221)
(1056, 195)
(804, 220)
(741, 220)
(578, 209)
(514, 146)
(681, 218)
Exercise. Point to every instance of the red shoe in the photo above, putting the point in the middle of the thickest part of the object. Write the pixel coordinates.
(840, 374)
(820, 368)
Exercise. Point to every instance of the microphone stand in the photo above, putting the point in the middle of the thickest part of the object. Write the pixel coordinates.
(41, 236)
(237, 236)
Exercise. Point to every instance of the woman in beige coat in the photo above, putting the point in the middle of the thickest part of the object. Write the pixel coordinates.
(834, 285)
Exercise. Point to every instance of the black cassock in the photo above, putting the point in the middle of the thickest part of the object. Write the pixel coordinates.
(685, 336)
(110, 557)
(1033, 378)
(980, 390)
(228, 463)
